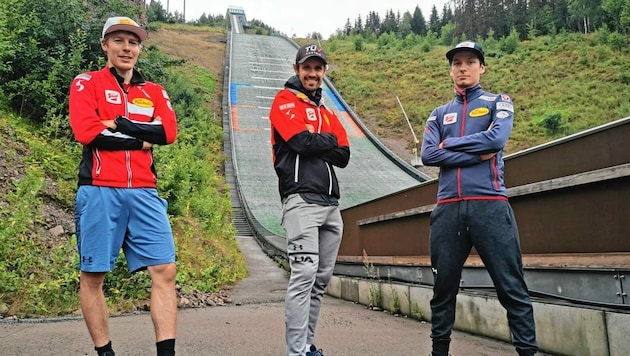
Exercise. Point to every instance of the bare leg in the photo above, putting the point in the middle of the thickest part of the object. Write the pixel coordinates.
(163, 301)
(94, 307)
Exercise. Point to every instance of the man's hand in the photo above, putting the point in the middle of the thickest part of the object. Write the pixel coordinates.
(310, 128)
(146, 145)
(110, 123)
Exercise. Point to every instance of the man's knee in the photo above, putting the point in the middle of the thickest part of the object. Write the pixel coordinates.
(92, 279)
(163, 273)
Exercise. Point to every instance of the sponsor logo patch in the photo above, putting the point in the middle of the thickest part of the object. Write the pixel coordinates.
(450, 118)
(505, 106)
(165, 94)
(287, 106)
(505, 97)
(502, 114)
(488, 98)
(83, 76)
(113, 97)
(479, 112)
(142, 102)
(310, 114)
(431, 118)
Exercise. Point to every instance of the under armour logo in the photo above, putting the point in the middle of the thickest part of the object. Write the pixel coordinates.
(296, 247)
(86, 259)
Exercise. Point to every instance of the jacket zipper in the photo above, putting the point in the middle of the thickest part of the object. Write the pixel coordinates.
(127, 153)
(461, 134)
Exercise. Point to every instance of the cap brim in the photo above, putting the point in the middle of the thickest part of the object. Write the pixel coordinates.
(452, 52)
(141, 33)
(312, 56)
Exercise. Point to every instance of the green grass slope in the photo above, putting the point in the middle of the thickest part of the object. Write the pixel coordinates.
(560, 85)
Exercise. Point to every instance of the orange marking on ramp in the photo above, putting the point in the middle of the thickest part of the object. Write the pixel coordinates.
(356, 130)
(235, 125)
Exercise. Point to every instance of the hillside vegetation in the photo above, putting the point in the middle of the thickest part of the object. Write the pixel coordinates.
(42, 50)
(560, 84)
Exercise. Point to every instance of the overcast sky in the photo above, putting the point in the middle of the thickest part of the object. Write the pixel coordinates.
(301, 18)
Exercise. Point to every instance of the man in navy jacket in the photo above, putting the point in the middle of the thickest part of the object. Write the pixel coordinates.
(465, 138)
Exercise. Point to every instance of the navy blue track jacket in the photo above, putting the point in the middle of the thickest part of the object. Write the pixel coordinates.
(473, 123)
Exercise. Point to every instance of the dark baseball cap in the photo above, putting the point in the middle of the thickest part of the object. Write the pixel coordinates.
(469, 46)
(310, 50)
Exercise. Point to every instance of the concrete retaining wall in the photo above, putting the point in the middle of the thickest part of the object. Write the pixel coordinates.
(561, 329)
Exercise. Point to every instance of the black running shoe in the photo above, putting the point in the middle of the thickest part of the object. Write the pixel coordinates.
(315, 351)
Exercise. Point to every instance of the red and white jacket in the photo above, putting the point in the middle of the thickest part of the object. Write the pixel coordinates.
(115, 158)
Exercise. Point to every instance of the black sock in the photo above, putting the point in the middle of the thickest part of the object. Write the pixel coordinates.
(101, 350)
(165, 347)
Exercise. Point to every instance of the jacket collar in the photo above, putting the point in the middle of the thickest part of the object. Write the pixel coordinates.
(136, 78)
(469, 93)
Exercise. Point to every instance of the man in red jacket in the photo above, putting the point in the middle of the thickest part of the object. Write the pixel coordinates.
(308, 140)
(118, 116)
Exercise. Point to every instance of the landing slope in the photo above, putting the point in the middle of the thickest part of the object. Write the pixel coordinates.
(259, 67)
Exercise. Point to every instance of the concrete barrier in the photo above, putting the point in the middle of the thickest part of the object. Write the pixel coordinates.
(562, 329)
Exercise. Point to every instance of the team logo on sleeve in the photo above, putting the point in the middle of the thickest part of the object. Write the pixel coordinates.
(83, 76)
(505, 106)
(286, 106)
(450, 118)
(502, 114)
(113, 97)
(79, 81)
(505, 97)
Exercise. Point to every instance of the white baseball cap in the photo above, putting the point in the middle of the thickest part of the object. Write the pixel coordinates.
(122, 23)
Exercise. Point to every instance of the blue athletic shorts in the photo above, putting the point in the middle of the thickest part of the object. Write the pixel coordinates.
(134, 219)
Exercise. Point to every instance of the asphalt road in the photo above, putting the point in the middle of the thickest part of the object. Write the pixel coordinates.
(252, 325)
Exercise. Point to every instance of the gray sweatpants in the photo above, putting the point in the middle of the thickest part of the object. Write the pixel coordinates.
(313, 234)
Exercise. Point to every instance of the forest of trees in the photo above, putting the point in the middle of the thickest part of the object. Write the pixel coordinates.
(498, 18)
(156, 12)
(472, 19)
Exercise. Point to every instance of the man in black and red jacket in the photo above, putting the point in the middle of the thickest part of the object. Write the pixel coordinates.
(308, 140)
